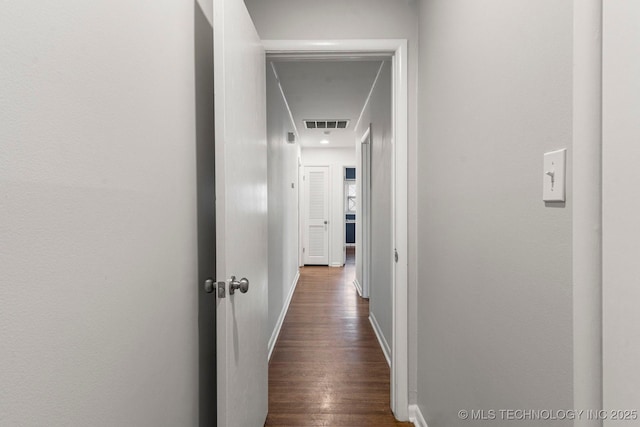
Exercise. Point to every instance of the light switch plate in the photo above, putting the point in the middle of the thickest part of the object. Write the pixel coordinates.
(553, 189)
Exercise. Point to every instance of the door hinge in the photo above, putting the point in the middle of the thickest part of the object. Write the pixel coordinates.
(302, 250)
(395, 256)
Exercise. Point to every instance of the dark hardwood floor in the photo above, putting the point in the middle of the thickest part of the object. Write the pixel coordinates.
(327, 368)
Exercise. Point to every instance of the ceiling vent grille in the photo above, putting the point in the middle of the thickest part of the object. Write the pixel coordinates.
(326, 124)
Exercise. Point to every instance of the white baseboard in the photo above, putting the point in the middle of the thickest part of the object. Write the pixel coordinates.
(336, 264)
(383, 343)
(358, 286)
(415, 416)
(283, 313)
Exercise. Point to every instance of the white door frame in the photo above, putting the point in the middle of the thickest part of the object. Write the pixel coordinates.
(587, 205)
(397, 49)
(365, 213)
(344, 211)
(301, 204)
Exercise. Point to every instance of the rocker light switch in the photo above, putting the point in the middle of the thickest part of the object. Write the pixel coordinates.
(553, 189)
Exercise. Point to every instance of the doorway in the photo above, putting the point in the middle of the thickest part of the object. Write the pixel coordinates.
(394, 51)
(206, 211)
(350, 198)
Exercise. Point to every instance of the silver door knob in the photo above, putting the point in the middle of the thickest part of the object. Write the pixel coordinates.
(242, 285)
(209, 285)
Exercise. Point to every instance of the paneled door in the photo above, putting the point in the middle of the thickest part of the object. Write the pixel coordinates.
(316, 196)
(241, 216)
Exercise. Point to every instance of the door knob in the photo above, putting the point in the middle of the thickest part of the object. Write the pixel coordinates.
(242, 285)
(208, 285)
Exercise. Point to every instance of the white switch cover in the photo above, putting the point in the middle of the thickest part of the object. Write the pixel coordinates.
(553, 189)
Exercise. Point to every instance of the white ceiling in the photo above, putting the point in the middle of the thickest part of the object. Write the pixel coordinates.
(326, 90)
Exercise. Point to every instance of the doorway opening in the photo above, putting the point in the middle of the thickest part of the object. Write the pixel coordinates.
(391, 53)
(350, 214)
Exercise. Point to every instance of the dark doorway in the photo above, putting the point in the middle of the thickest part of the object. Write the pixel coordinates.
(205, 152)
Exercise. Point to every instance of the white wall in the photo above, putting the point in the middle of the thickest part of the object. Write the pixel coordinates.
(337, 159)
(621, 206)
(98, 222)
(359, 19)
(377, 114)
(495, 295)
(283, 202)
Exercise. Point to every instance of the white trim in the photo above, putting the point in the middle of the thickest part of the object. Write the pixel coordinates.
(341, 224)
(416, 417)
(276, 331)
(398, 49)
(330, 218)
(332, 48)
(358, 286)
(381, 340)
(365, 212)
(345, 196)
(336, 265)
(587, 206)
(301, 204)
(329, 57)
(400, 218)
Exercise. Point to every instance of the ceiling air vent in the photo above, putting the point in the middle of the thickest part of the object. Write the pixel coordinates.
(326, 124)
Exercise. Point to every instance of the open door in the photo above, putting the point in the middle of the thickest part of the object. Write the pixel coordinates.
(241, 216)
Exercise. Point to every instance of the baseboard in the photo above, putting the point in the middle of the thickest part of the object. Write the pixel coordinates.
(358, 286)
(336, 264)
(283, 313)
(383, 343)
(415, 416)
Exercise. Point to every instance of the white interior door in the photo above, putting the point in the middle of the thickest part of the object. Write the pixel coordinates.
(241, 215)
(316, 247)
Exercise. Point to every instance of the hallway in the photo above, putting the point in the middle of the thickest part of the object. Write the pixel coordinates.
(327, 368)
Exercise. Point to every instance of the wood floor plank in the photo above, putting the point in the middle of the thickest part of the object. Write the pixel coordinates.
(327, 368)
